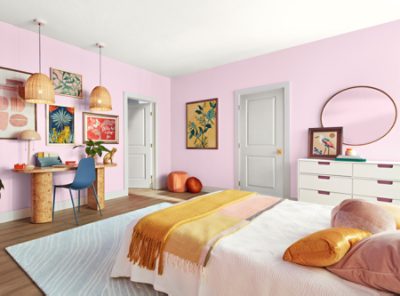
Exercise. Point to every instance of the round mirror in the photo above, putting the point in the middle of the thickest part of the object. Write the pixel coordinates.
(366, 113)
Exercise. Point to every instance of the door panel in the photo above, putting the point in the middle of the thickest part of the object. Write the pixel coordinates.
(139, 145)
(261, 137)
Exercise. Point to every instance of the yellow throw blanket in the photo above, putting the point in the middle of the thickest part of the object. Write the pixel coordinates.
(150, 234)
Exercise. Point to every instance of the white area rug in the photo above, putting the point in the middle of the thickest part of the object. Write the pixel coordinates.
(79, 261)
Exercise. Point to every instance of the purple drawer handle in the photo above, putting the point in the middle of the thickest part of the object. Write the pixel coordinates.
(385, 182)
(324, 177)
(324, 163)
(383, 199)
(323, 192)
(385, 166)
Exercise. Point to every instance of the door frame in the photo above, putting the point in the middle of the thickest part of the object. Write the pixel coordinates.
(132, 96)
(286, 128)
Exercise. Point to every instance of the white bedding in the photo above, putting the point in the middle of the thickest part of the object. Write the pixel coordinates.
(249, 262)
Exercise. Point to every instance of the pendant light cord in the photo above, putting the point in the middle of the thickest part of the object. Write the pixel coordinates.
(40, 51)
(100, 65)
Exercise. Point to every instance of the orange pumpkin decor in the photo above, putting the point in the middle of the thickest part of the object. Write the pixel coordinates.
(193, 185)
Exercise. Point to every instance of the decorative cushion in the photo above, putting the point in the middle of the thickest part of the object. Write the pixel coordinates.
(193, 185)
(177, 181)
(394, 211)
(374, 262)
(360, 214)
(325, 247)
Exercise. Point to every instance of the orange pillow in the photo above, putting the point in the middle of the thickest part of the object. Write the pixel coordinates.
(394, 211)
(325, 247)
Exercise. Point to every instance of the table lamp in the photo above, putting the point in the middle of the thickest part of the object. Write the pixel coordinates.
(29, 135)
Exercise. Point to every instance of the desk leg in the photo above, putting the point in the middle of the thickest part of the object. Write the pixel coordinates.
(99, 185)
(42, 184)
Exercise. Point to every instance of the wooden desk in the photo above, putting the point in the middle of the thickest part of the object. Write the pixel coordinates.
(42, 190)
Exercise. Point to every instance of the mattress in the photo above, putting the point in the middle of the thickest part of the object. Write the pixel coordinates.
(249, 262)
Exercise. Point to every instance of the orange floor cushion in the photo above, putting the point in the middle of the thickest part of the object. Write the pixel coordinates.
(177, 181)
(194, 185)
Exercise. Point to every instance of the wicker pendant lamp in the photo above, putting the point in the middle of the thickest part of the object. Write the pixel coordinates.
(100, 98)
(38, 88)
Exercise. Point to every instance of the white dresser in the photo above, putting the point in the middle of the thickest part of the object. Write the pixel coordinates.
(330, 182)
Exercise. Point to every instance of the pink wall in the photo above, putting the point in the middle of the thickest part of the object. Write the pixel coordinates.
(18, 50)
(315, 71)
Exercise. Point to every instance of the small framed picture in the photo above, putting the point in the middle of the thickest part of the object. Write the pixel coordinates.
(325, 142)
(67, 83)
(60, 125)
(100, 127)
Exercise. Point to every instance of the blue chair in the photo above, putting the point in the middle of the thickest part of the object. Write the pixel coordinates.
(84, 178)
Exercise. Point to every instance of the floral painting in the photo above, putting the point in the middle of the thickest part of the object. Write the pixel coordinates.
(202, 124)
(100, 127)
(325, 142)
(15, 114)
(66, 83)
(60, 125)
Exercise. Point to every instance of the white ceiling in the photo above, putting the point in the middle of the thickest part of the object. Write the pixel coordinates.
(177, 37)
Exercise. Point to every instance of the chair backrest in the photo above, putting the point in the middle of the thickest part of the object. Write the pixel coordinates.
(85, 174)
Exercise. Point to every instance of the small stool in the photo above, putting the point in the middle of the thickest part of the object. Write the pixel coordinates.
(177, 181)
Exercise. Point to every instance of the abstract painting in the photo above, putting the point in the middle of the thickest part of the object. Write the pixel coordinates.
(67, 83)
(60, 125)
(202, 124)
(15, 114)
(100, 127)
(325, 142)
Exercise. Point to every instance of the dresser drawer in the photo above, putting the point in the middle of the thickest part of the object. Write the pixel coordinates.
(322, 197)
(378, 200)
(326, 167)
(377, 171)
(376, 188)
(327, 183)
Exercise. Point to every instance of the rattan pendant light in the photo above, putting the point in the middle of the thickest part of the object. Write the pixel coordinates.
(38, 88)
(100, 98)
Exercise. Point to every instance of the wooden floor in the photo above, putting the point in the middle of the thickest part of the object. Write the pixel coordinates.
(13, 280)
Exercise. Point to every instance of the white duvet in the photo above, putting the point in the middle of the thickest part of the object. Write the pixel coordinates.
(249, 262)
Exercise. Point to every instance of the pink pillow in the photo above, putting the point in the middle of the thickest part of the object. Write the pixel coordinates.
(355, 213)
(373, 262)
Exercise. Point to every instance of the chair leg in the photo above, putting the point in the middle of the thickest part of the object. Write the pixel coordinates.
(79, 201)
(73, 206)
(54, 201)
(97, 201)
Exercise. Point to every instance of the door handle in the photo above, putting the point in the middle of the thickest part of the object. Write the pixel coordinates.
(279, 151)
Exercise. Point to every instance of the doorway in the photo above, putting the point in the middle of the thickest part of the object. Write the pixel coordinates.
(263, 140)
(140, 156)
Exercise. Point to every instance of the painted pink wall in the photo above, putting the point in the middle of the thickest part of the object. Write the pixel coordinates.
(18, 50)
(315, 71)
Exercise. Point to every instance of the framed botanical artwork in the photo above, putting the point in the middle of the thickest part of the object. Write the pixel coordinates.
(100, 127)
(325, 142)
(60, 125)
(67, 83)
(16, 115)
(202, 124)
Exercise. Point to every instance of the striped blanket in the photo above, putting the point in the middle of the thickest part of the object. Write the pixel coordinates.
(187, 232)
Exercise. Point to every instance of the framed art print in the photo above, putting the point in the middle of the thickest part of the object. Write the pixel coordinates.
(67, 83)
(60, 125)
(16, 115)
(202, 124)
(100, 127)
(325, 142)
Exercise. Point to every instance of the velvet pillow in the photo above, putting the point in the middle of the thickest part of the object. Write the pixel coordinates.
(360, 214)
(325, 247)
(394, 211)
(374, 262)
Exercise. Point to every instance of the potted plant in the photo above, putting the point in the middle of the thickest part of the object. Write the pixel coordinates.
(94, 148)
(1, 187)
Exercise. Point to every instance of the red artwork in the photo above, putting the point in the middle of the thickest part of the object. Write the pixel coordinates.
(98, 127)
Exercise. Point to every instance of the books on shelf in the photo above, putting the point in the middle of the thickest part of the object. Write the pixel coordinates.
(355, 158)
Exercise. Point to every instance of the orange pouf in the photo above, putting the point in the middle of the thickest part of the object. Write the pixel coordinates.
(177, 181)
(193, 185)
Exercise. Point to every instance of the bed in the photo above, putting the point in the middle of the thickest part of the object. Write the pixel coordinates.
(249, 262)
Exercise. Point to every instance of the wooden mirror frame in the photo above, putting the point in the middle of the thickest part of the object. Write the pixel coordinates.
(370, 87)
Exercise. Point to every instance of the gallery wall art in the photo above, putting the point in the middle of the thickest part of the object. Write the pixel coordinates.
(100, 127)
(15, 114)
(60, 125)
(325, 142)
(202, 124)
(67, 83)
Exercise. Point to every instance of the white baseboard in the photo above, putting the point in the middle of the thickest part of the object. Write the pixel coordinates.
(60, 205)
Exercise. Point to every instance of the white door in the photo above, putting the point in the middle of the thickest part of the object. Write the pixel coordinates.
(261, 136)
(139, 145)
